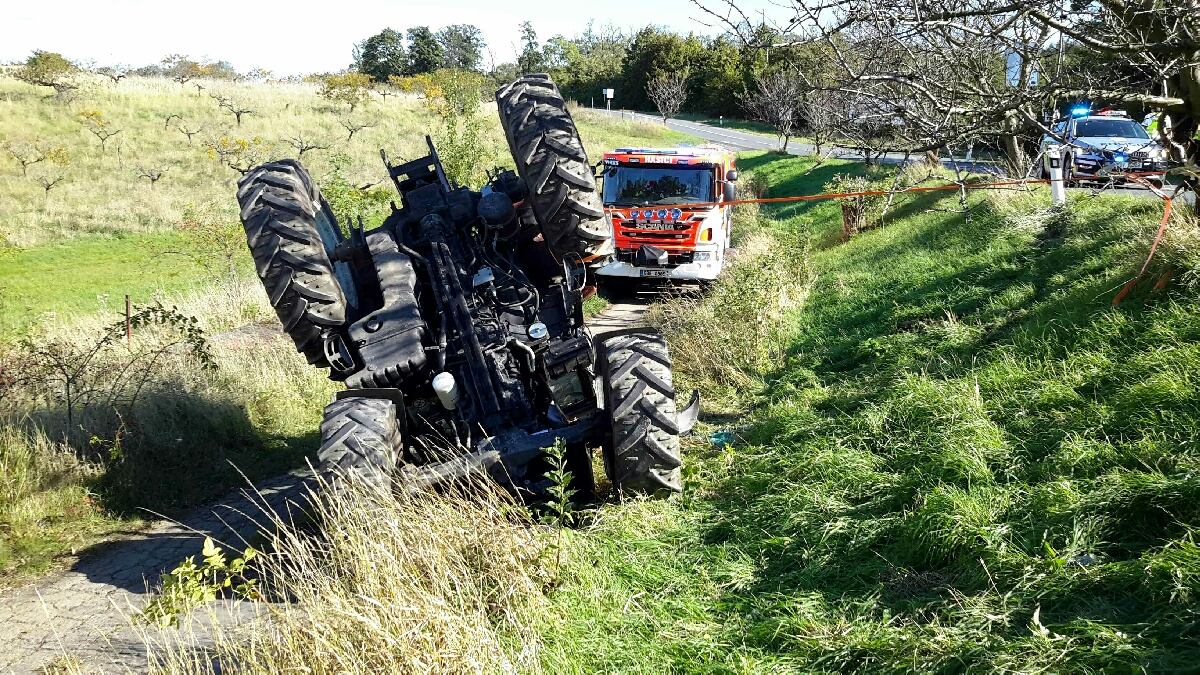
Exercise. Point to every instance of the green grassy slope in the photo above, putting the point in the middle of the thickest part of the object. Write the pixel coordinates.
(101, 230)
(966, 460)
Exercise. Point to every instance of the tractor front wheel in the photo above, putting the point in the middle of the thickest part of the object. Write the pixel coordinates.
(291, 231)
(360, 442)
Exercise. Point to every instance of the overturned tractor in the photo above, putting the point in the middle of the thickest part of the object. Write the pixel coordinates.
(457, 325)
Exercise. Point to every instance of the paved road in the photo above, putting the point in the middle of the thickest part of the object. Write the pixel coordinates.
(743, 140)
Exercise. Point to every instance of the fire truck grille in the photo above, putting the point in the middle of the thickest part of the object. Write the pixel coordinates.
(673, 259)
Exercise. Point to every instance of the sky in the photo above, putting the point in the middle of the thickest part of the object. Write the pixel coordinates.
(299, 37)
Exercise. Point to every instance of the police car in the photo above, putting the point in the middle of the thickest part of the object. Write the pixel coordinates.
(1097, 144)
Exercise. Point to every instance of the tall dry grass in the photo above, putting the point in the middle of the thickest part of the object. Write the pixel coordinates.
(148, 425)
(440, 583)
(724, 341)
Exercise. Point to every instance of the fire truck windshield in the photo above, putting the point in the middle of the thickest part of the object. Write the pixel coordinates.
(647, 185)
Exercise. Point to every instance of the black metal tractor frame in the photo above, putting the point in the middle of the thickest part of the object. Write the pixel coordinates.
(457, 325)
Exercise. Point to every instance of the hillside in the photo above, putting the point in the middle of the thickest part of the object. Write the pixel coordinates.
(934, 446)
(110, 224)
(963, 457)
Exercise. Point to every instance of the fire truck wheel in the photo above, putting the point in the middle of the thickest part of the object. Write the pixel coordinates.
(290, 230)
(554, 166)
(360, 442)
(642, 456)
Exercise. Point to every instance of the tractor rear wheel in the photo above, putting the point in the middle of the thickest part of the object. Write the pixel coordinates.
(360, 441)
(554, 167)
(291, 231)
(642, 456)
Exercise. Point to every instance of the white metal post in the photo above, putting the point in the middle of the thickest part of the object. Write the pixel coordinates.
(1058, 192)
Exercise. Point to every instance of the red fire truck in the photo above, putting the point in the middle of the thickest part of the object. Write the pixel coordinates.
(668, 213)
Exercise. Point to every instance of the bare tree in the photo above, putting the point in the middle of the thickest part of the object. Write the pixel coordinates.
(668, 92)
(956, 70)
(239, 154)
(95, 122)
(823, 112)
(115, 73)
(186, 131)
(51, 180)
(151, 174)
(777, 100)
(170, 116)
(29, 153)
(354, 126)
(232, 106)
(303, 145)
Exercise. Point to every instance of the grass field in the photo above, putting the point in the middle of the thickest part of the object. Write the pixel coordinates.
(751, 126)
(965, 459)
(934, 447)
(108, 226)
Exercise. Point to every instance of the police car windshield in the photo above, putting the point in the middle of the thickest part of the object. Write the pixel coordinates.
(654, 185)
(1112, 128)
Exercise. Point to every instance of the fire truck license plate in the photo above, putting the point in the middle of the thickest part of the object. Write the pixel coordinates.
(653, 273)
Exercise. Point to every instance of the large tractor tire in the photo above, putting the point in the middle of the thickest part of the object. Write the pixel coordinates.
(360, 441)
(291, 232)
(554, 167)
(643, 454)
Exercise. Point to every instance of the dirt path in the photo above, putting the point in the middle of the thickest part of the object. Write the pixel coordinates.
(618, 315)
(82, 613)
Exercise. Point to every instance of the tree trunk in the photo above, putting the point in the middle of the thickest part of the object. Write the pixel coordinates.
(785, 142)
(1018, 163)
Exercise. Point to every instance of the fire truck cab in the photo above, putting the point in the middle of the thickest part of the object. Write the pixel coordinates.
(668, 213)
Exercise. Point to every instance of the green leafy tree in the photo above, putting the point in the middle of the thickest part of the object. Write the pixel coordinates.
(425, 53)
(653, 53)
(462, 45)
(49, 69)
(584, 65)
(719, 79)
(382, 55)
(531, 59)
(353, 89)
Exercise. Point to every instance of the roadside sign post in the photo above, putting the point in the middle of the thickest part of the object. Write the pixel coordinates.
(608, 97)
(1058, 192)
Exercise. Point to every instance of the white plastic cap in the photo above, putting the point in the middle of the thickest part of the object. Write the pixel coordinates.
(446, 389)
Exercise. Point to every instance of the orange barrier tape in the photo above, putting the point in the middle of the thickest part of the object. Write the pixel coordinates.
(1162, 228)
(866, 193)
(1135, 177)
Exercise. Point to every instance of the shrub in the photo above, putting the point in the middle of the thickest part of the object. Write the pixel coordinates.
(353, 89)
(861, 212)
(456, 95)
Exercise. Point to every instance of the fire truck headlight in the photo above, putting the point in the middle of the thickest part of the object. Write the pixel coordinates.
(706, 234)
